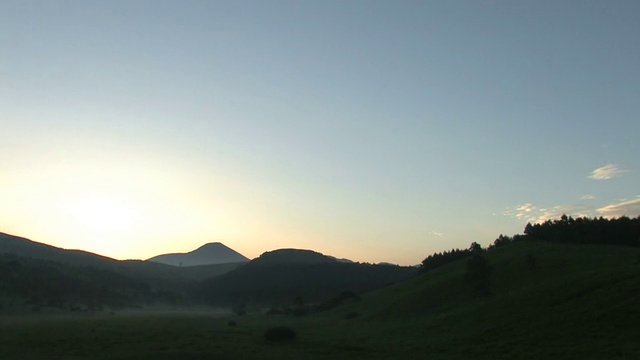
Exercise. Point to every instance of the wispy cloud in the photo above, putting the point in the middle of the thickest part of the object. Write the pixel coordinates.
(587, 197)
(533, 214)
(523, 212)
(557, 211)
(438, 234)
(607, 172)
(629, 208)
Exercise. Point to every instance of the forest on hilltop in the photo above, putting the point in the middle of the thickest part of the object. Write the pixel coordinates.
(622, 231)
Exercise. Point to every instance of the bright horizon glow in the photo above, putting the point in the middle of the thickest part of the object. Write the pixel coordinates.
(375, 131)
(100, 213)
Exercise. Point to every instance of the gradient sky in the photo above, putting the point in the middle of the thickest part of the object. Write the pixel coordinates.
(371, 130)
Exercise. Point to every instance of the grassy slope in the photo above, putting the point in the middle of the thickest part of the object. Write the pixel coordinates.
(579, 302)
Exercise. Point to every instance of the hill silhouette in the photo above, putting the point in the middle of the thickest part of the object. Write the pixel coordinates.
(45, 275)
(156, 274)
(10, 244)
(277, 277)
(36, 283)
(75, 278)
(293, 256)
(522, 297)
(208, 254)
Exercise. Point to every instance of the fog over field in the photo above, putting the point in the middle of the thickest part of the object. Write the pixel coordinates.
(319, 179)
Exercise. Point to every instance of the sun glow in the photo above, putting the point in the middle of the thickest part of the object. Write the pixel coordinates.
(99, 213)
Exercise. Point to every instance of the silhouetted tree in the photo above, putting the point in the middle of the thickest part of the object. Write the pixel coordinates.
(478, 275)
(437, 260)
(502, 240)
(530, 261)
(240, 309)
(475, 247)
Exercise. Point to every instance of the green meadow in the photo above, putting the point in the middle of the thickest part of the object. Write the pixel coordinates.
(546, 301)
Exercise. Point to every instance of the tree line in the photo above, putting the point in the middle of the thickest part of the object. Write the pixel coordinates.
(437, 260)
(623, 231)
(583, 230)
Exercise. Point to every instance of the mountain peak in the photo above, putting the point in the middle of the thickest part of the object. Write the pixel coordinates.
(211, 245)
(207, 254)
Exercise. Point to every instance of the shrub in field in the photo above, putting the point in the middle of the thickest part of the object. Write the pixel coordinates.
(240, 309)
(352, 315)
(280, 333)
(274, 311)
(301, 311)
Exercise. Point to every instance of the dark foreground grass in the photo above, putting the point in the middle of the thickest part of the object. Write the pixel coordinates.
(174, 336)
(188, 337)
(577, 302)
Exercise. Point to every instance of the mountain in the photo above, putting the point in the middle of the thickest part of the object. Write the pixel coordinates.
(26, 248)
(277, 277)
(10, 244)
(298, 256)
(208, 254)
(42, 275)
(155, 274)
(29, 282)
(293, 256)
(343, 260)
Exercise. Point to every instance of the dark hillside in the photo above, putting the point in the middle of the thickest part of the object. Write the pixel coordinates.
(36, 284)
(156, 275)
(545, 300)
(10, 244)
(278, 277)
(293, 256)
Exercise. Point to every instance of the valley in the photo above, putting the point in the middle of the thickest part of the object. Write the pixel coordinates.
(544, 299)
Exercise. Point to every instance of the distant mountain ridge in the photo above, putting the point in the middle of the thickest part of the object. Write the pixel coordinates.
(279, 276)
(208, 254)
(210, 275)
(294, 256)
(41, 275)
(10, 244)
(154, 273)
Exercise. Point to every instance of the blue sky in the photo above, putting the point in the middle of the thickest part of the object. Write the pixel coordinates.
(372, 130)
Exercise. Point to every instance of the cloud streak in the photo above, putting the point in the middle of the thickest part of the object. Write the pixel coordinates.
(557, 211)
(533, 214)
(530, 213)
(607, 172)
(523, 212)
(629, 208)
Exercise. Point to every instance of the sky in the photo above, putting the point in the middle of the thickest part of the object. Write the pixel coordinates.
(379, 131)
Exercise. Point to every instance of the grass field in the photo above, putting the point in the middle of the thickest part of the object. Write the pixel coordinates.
(576, 302)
